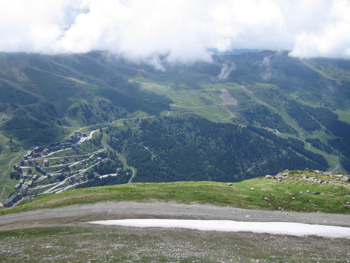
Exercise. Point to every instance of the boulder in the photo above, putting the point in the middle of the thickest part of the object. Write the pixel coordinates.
(269, 176)
(346, 178)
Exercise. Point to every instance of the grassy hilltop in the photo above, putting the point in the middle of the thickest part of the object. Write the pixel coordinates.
(304, 191)
(68, 239)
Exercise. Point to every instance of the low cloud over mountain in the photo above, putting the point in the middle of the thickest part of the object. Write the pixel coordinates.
(183, 30)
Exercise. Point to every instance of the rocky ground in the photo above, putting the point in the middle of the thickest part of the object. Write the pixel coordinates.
(63, 235)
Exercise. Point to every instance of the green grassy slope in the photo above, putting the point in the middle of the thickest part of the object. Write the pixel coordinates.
(293, 194)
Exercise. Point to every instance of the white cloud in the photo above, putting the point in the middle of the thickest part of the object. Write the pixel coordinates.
(333, 40)
(184, 30)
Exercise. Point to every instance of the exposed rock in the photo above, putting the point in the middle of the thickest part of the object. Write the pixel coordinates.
(266, 199)
(346, 178)
(229, 184)
(316, 193)
(269, 176)
(347, 206)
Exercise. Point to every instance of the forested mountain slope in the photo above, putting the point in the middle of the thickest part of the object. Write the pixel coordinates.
(234, 117)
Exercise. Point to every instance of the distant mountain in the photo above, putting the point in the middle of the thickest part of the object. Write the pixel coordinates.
(233, 51)
(297, 106)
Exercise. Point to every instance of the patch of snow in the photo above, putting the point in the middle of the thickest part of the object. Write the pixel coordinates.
(279, 228)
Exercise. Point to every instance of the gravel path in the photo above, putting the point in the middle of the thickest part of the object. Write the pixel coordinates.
(66, 236)
(81, 214)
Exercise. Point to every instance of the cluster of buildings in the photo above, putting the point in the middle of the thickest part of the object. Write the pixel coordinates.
(74, 179)
(23, 184)
(28, 178)
(13, 199)
(71, 142)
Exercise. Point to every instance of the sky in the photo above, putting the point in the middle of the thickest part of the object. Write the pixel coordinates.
(184, 30)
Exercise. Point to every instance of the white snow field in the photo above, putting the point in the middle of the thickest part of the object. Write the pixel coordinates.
(279, 228)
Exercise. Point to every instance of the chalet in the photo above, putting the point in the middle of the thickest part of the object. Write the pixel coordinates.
(17, 186)
(74, 138)
(29, 153)
(38, 149)
(25, 157)
(45, 151)
(66, 144)
(30, 183)
(22, 161)
(13, 199)
(29, 170)
(46, 162)
(35, 177)
(30, 162)
(99, 159)
(21, 181)
(25, 189)
(15, 166)
(25, 175)
(63, 162)
(55, 148)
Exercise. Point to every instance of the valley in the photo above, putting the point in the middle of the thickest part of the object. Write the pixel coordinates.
(188, 122)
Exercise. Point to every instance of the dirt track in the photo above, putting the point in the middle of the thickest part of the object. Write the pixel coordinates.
(65, 236)
(78, 215)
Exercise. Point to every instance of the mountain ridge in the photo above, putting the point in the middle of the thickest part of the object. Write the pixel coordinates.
(283, 100)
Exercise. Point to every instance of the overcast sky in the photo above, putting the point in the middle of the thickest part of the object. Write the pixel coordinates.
(184, 29)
